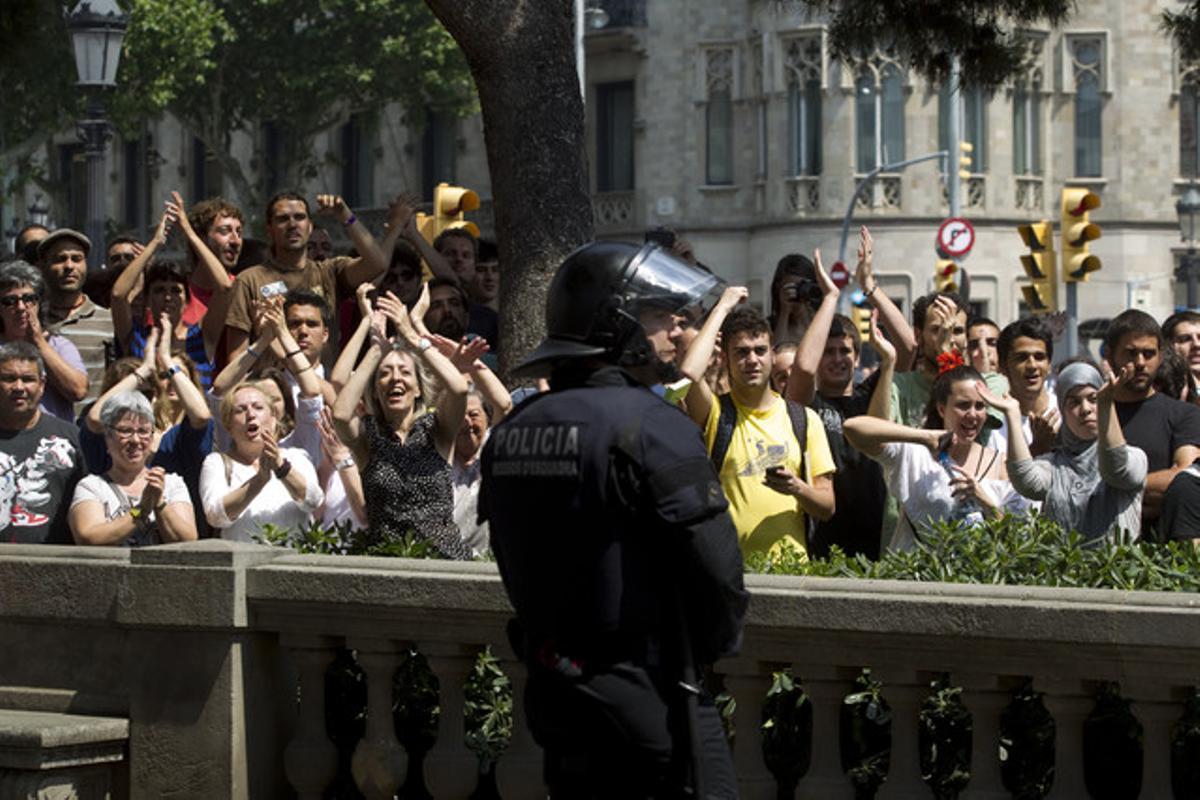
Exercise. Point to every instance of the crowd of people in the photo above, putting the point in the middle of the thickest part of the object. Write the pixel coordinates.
(278, 382)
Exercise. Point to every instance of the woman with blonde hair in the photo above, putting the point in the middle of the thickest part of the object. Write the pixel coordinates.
(256, 482)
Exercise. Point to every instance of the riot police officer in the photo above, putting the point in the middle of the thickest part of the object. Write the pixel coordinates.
(613, 541)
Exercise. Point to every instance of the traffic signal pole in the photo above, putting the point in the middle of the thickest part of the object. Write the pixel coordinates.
(954, 121)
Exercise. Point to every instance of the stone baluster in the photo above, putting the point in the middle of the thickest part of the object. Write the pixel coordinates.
(379, 762)
(986, 700)
(1068, 703)
(826, 689)
(905, 693)
(748, 681)
(1158, 712)
(451, 770)
(310, 759)
(519, 773)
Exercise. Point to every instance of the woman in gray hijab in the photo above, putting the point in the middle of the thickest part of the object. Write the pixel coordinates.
(1092, 481)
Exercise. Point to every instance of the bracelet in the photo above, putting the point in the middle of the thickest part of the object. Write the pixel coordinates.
(873, 288)
(295, 352)
(307, 367)
(282, 471)
(344, 463)
(250, 350)
(350, 220)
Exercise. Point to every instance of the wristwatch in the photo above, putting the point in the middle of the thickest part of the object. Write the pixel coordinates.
(423, 344)
(282, 471)
(344, 463)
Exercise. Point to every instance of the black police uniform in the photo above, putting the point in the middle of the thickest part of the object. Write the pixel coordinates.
(612, 537)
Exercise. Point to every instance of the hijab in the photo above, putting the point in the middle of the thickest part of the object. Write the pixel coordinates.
(1078, 473)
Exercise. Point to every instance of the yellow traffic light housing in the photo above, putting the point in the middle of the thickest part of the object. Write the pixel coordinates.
(426, 227)
(1041, 294)
(450, 203)
(861, 314)
(964, 159)
(1077, 231)
(945, 275)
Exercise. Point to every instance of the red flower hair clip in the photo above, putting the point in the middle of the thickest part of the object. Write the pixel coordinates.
(949, 360)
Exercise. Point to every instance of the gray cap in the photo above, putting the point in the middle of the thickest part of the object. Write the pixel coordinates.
(63, 233)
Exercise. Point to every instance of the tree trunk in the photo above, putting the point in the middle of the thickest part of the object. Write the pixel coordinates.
(522, 57)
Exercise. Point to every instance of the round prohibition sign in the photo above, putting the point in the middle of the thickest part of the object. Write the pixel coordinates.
(956, 237)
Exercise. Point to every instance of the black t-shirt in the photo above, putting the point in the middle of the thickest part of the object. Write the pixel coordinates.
(1180, 518)
(857, 485)
(1159, 425)
(39, 468)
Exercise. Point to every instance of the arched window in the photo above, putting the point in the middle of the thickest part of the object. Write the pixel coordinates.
(879, 112)
(1086, 63)
(803, 65)
(1189, 143)
(718, 117)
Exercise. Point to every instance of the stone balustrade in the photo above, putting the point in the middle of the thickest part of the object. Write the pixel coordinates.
(216, 654)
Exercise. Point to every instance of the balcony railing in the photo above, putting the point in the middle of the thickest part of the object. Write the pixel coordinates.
(625, 13)
(217, 653)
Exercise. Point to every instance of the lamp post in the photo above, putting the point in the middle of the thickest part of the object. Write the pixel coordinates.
(39, 212)
(97, 28)
(1187, 207)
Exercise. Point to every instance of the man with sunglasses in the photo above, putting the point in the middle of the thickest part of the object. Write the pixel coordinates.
(40, 460)
(22, 298)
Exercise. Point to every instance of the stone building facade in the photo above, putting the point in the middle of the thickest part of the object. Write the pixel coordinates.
(733, 124)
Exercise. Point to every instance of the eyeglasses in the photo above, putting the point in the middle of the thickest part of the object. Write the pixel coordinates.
(125, 434)
(10, 301)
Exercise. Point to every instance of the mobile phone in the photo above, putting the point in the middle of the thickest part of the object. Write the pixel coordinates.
(775, 471)
(273, 289)
(661, 236)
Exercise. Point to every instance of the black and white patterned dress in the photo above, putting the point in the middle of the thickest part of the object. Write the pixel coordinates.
(407, 488)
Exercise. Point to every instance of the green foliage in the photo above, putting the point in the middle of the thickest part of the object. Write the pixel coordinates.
(1012, 550)
(1183, 27)
(1027, 745)
(944, 733)
(983, 34)
(488, 708)
(865, 723)
(342, 539)
(787, 731)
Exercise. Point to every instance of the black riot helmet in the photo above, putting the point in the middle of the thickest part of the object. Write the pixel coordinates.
(594, 300)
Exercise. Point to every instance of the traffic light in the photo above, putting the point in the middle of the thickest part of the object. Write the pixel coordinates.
(425, 226)
(1041, 293)
(945, 275)
(964, 159)
(861, 314)
(1077, 231)
(449, 205)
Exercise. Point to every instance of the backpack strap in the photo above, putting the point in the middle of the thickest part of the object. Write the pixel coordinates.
(726, 419)
(799, 418)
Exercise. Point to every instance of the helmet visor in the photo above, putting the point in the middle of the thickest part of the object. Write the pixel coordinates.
(657, 279)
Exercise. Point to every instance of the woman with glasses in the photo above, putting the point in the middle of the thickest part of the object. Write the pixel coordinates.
(22, 318)
(132, 504)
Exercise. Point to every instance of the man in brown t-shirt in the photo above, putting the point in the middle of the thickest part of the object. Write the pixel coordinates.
(288, 228)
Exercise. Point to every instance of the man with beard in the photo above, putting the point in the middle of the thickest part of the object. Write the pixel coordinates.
(289, 228)
(1182, 332)
(772, 454)
(447, 313)
(63, 258)
(1025, 348)
(39, 454)
(1166, 429)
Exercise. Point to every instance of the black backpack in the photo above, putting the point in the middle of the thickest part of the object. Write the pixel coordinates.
(728, 418)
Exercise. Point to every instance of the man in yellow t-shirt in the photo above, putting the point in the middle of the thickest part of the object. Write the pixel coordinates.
(768, 498)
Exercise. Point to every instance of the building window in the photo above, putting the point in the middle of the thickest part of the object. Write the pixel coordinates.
(973, 109)
(1189, 144)
(439, 141)
(614, 137)
(358, 160)
(803, 70)
(879, 112)
(718, 116)
(272, 158)
(1087, 59)
(1027, 128)
(206, 171)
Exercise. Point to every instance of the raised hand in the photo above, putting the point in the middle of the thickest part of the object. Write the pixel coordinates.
(402, 213)
(164, 341)
(270, 459)
(1114, 380)
(169, 217)
(828, 287)
(1044, 428)
(332, 204)
(1006, 404)
(331, 443)
(964, 487)
(731, 297)
(942, 312)
(379, 335)
(177, 206)
(362, 296)
(864, 274)
(886, 350)
(396, 311)
(462, 354)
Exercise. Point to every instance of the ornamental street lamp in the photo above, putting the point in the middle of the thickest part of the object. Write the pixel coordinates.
(1188, 208)
(39, 212)
(97, 28)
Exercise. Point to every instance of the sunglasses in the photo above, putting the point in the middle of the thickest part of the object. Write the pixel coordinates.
(10, 301)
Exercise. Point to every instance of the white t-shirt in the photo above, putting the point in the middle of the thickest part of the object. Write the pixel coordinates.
(274, 504)
(105, 492)
(922, 488)
(337, 507)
